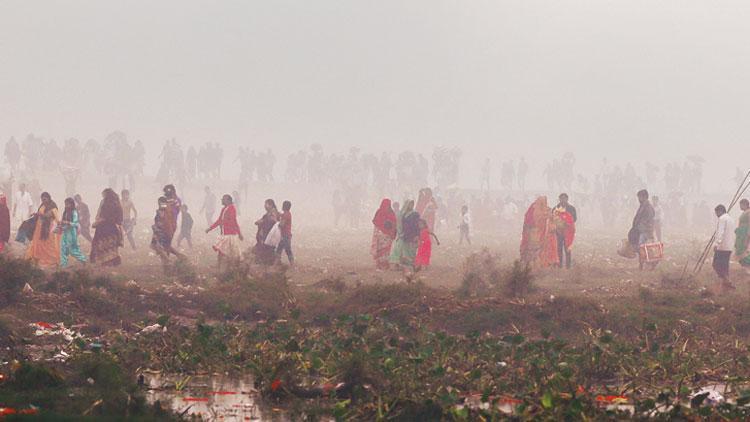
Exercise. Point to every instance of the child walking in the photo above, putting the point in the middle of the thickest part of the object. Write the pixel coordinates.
(424, 253)
(186, 228)
(285, 225)
(69, 226)
(465, 225)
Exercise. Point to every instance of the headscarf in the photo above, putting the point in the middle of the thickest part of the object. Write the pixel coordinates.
(110, 209)
(537, 240)
(68, 212)
(46, 221)
(405, 216)
(4, 219)
(385, 218)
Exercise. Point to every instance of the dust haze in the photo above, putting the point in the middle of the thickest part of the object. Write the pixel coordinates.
(482, 113)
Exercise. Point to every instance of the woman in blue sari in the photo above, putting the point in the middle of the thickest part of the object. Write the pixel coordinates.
(69, 227)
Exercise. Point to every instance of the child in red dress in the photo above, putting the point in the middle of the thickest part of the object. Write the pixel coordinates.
(425, 246)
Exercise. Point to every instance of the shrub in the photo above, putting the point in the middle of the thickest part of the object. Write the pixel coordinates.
(14, 273)
(518, 281)
(482, 274)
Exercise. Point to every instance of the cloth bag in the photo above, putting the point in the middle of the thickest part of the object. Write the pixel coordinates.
(274, 236)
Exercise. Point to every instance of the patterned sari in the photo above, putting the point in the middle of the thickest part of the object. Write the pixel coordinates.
(538, 241)
(105, 247)
(384, 231)
(45, 242)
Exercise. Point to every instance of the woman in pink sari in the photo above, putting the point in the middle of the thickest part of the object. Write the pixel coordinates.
(384, 231)
(538, 241)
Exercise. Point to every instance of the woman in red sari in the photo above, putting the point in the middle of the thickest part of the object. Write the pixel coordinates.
(538, 241)
(384, 232)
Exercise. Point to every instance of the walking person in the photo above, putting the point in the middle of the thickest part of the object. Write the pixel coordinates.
(285, 225)
(84, 218)
(69, 242)
(742, 236)
(404, 250)
(424, 252)
(383, 234)
(658, 218)
(565, 223)
(230, 236)
(23, 204)
(465, 226)
(642, 230)
(209, 205)
(129, 217)
(266, 254)
(45, 241)
(163, 232)
(724, 244)
(186, 228)
(105, 247)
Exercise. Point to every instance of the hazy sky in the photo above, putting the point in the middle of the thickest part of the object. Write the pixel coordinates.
(615, 78)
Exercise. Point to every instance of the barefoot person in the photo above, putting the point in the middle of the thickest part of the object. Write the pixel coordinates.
(724, 243)
(163, 231)
(285, 225)
(45, 242)
(230, 236)
(383, 233)
(105, 247)
(69, 243)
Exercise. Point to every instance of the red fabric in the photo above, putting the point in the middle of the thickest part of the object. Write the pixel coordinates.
(4, 220)
(570, 228)
(538, 242)
(285, 222)
(385, 219)
(424, 253)
(227, 221)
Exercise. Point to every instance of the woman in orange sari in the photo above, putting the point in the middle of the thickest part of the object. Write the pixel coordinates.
(538, 241)
(45, 243)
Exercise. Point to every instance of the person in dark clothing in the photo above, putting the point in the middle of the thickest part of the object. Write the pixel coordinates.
(564, 207)
(642, 231)
(186, 228)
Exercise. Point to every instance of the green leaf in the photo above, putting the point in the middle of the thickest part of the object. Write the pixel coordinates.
(547, 400)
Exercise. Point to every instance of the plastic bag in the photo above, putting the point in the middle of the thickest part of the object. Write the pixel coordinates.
(274, 236)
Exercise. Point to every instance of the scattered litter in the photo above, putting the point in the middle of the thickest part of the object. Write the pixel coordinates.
(712, 396)
(27, 289)
(153, 329)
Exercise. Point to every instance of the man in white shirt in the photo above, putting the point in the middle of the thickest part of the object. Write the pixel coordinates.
(724, 245)
(23, 205)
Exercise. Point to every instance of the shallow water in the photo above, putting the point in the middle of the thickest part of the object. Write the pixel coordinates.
(210, 397)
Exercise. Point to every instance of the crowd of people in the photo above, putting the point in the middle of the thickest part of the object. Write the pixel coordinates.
(52, 235)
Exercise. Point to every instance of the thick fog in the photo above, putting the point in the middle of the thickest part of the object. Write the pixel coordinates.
(628, 80)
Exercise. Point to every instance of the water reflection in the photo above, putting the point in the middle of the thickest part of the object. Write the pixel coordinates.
(210, 397)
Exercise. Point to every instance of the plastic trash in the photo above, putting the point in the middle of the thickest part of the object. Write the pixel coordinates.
(153, 329)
